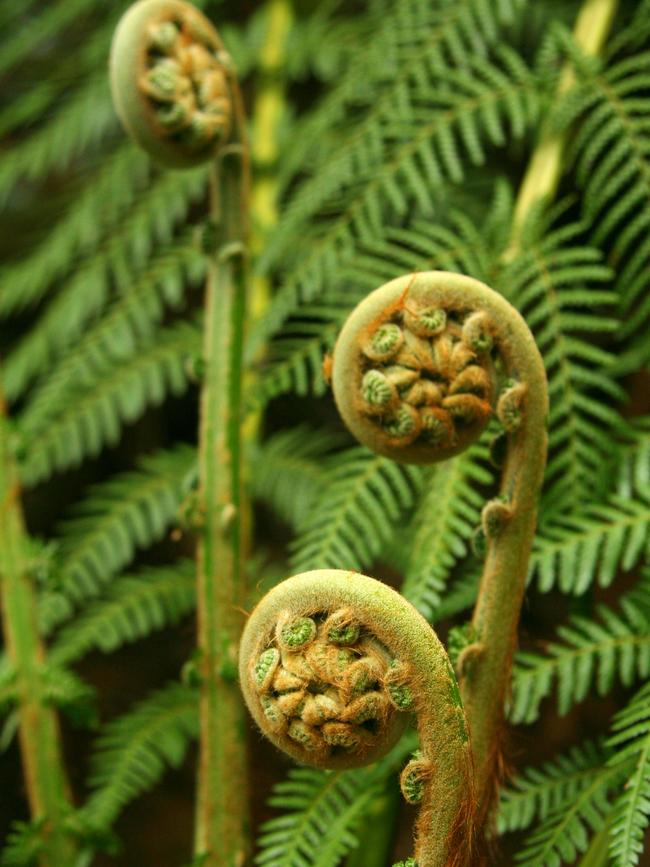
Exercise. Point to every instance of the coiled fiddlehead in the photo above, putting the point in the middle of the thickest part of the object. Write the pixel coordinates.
(332, 665)
(415, 375)
(171, 81)
(175, 89)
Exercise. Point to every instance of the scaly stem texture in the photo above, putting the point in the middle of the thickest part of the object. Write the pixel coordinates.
(544, 170)
(40, 744)
(222, 809)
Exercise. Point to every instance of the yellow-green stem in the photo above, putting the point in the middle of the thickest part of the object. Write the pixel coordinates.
(222, 826)
(46, 783)
(544, 170)
(267, 116)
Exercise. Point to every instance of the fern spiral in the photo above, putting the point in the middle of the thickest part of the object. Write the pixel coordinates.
(171, 82)
(418, 370)
(333, 664)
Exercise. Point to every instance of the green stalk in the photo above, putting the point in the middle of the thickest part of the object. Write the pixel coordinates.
(46, 783)
(268, 112)
(544, 171)
(222, 825)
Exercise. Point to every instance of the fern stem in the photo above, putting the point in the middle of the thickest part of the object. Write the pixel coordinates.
(222, 798)
(268, 113)
(542, 176)
(46, 782)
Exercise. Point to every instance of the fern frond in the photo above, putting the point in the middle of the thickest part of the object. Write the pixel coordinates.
(484, 102)
(107, 194)
(631, 740)
(318, 806)
(289, 471)
(613, 161)
(85, 119)
(322, 811)
(67, 691)
(295, 359)
(24, 844)
(538, 792)
(555, 282)
(151, 219)
(445, 521)
(134, 751)
(410, 39)
(128, 321)
(611, 645)
(565, 832)
(574, 551)
(95, 411)
(133, 607)
(53, 19)
(357, 512)
(130, 511)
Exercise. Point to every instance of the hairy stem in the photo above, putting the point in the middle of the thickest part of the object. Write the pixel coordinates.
(222, 825)
(544, 170)
(40, 743)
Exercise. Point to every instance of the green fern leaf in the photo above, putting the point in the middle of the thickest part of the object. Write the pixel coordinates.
(631, 739)
(128, 512)
(366, 497)
(134, 751)
(611, 645)
(133, 607)
(116, 393)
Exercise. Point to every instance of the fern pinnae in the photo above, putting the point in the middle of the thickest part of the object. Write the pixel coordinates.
(113, 397)
(446, 520)
(132, 608)
(631, 737)
(593, 653)
(130, 511)
(537, 792)
(127, 323)
(365, 498)
(134, 750)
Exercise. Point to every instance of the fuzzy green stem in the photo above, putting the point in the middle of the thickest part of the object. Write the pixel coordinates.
(544, 170)
(46, 783)
(426, 687)
(222, 826)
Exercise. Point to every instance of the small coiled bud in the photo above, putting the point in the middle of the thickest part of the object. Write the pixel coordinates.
(414, 777)
(494, 517)
(510, 407)
(477, 332)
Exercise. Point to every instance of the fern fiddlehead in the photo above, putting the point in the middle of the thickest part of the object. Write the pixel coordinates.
(415, 375)
(332, 665)
(176, 91)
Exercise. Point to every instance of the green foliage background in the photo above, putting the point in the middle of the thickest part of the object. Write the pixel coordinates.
(405, 133)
